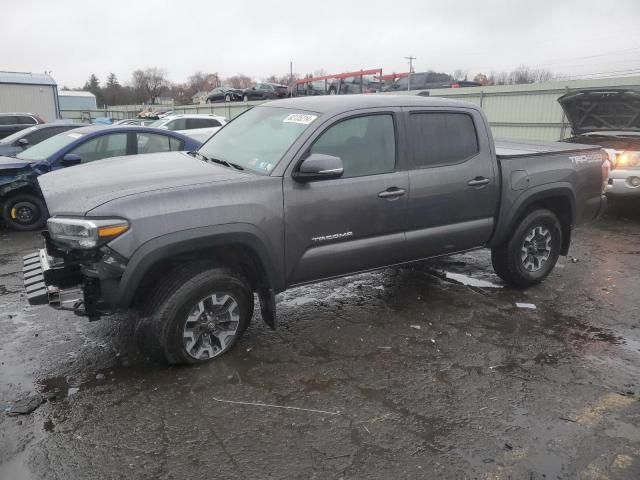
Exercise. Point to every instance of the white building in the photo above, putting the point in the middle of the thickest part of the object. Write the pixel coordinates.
(23, 92)
(77, 100)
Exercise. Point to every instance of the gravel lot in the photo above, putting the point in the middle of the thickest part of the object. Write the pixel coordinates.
(402, 373)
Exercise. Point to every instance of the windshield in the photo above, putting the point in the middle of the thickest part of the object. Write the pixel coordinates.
(48, 147)
(259, 138)
(16, 136)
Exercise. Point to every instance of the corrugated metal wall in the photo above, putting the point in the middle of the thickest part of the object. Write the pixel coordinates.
(38, 99)
(517, 111)
(528, 111)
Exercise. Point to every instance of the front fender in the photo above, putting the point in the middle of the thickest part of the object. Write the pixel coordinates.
(186, 241)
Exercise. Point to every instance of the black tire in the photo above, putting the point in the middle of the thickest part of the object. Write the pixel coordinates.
(165, 314)
(333, 91)
(24, 212)
(508, 261)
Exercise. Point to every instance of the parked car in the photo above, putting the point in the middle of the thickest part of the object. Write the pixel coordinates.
(191, 123)
(610, 118)
(11, 123)
(28, 137)
(426, 81)
(224, 94)
(21, 204)
(297, 191)
(265, 91)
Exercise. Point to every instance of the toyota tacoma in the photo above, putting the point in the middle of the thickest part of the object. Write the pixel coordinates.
(297, 191)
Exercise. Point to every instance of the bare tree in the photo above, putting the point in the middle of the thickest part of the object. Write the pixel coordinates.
(459, 74)
(239, 81)
(481, 78)
(149, 84)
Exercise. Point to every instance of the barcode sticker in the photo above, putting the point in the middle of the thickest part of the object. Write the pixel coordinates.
(300, 118)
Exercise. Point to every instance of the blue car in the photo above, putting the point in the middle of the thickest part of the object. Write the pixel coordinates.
(20, 199)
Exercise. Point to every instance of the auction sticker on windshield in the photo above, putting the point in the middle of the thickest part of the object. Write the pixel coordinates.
(302, 118)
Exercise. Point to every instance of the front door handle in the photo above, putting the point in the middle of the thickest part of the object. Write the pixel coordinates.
(478, 182)
(392, 193)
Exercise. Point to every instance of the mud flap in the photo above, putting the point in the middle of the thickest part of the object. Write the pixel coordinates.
(268, 307)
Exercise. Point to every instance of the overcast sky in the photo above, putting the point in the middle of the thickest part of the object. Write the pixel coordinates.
(74, 38)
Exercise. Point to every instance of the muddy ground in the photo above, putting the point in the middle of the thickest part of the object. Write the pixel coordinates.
(402, 373)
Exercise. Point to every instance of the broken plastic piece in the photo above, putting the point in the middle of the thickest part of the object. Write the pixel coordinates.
(530, 306)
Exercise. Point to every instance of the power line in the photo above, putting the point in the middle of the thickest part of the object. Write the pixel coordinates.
(613, 52)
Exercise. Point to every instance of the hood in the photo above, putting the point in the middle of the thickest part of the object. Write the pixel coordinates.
(77, 190)
(602, 110)
(9, 163)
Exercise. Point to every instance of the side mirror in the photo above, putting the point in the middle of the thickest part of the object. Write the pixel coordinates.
(71, 159)
(318, 166)
(23, 142)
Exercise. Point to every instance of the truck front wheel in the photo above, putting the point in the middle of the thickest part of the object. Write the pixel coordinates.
(531, 252)
(197, 316)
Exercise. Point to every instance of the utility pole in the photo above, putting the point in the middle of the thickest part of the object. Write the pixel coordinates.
(291, 78)
(411, 59)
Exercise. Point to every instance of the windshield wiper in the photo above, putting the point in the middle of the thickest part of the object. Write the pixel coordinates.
(217, 160)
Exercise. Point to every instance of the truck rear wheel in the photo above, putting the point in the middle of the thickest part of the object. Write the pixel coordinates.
(197, 316)
(531, 252)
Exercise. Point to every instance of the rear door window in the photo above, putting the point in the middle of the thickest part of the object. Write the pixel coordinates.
(25, 120)
(441, 138)
(202, 123)
(153, 143)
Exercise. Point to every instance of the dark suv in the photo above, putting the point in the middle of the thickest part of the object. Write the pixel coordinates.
(14, 122)
(265, 91)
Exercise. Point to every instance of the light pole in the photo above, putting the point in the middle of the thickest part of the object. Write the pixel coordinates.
(411, 59)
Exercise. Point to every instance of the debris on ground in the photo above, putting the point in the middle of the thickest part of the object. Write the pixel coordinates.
(25, 406)
(530, 306)
(417, 327)
(269, 405)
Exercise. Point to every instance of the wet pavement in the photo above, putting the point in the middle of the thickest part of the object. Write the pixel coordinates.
(429, 371)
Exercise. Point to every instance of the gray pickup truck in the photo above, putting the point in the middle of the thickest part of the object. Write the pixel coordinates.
(298, 191)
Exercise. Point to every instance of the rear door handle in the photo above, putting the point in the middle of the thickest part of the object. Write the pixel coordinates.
(478, 182)
(392, 192)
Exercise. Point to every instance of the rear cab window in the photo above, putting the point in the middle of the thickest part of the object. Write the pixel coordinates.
(441, 138)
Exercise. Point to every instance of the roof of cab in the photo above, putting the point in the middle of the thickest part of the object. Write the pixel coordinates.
(345, 103)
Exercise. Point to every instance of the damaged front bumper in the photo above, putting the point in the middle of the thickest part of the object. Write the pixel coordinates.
(49, 281)
(66, 284)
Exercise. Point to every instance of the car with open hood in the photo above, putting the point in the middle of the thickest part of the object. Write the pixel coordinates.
(610, 118)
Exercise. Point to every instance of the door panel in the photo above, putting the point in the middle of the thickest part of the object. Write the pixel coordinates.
(338, 226)
(445, 212)
(333, 227)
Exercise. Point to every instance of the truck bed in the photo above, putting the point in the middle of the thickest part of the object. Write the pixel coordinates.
(512, 148)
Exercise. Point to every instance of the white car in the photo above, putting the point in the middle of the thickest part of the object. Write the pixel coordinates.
(195, 125)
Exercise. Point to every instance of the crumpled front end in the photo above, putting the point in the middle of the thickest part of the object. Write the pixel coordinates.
(84, 283)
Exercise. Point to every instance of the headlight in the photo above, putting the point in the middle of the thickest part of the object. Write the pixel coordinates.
(84, 233)
(628, 159)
